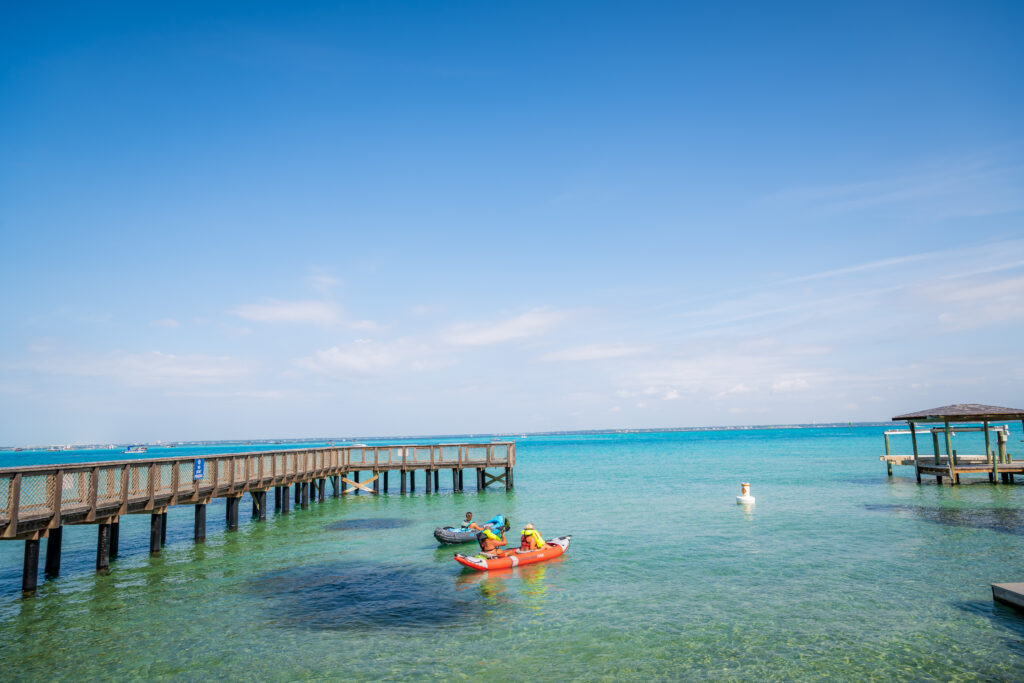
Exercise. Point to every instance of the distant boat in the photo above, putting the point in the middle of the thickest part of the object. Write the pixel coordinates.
(135, 449)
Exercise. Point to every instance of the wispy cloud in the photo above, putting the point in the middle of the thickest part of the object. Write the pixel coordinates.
(321, 281)
(165, 322)
(367, 357)
(313, 312)
(152, 369)
(531, 324)
(595, 352)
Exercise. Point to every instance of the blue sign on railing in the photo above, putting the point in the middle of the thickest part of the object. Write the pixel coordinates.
(198, 469)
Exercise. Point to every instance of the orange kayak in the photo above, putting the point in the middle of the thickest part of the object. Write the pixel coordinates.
(516, 558)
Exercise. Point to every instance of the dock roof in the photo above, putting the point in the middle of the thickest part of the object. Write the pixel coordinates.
(964, 412)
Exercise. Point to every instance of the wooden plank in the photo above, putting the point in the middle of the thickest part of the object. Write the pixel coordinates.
(357, 485)
(55, 502)
(14, 501)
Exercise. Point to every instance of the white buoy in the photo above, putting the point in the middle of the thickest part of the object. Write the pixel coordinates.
(744, 498)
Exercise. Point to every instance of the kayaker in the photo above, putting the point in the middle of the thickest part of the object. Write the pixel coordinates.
(491, 543)
(530, 539)
(469, 524)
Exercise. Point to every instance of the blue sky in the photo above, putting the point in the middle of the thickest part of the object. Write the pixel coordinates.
(246, 220)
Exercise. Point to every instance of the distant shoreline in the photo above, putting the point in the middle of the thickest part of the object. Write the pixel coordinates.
(477, 435)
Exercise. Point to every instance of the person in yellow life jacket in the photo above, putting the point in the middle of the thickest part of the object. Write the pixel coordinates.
(530, 539)
(491, 543)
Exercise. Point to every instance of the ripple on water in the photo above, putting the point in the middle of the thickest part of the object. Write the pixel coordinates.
(370, 524)
(1004, 520)
(343, 596)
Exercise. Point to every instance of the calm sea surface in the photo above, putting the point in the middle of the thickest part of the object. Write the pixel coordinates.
(837, 572)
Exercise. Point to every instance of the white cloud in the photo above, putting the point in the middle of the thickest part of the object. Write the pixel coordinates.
(315, 312)
(322, 282)
(792, 384)
(153, 369)
(531, 324)
(366, 357)
(165, 322)
(595, 352)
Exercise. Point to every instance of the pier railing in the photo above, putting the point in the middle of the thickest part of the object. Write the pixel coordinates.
(46, 496)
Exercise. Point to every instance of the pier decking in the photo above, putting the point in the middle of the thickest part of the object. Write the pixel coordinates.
(38, 501)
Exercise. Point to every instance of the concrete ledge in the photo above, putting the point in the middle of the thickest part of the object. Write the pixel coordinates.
(1009, 593)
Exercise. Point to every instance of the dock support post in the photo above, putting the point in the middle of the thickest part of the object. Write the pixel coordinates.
(480, 485)
(401, 477)
(321, 490)
(305, 495)
(255, 497)
(199, 528)
(917, 463)
(30, 567)
(455, 479)
(262, 516)
(298, 494)
(286, 500)
(163, 528)
(355, 478)
(344, 491)
(103, 547)
(508, 478)
(888, 451)
(376, 484)
(233, 512)
(115, 537)
(335, 486)
(53, 540)
(437, 480)
(155, 520)
(277, 499)
(430, 482)
(412, 481)
(462, 482)
(385, 481)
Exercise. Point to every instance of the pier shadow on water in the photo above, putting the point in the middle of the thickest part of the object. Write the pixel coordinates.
(342, 596)
(1003, 520)
(369, 524)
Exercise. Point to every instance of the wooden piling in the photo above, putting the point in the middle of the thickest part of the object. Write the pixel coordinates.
(115, 537)
(53, 542)
(335, 486)
(305, 495)
(437, 480)
(508, 478)
(376, 484)
(412, 481)
(917, 462)
(286, 500)
(30, 567)
(199, 527)
(461, 481)
(480, 484)
(232, 512)
(355, 478)
(103, 547)
(262, 516)
(385, 481)
(298, 493)
(255, 496)
(429, 486)
(455, 479)
(344, 475)
(401, 479)
(154, 533)
(163, 528)
(277, 499)
(888, 451)
(321, 490)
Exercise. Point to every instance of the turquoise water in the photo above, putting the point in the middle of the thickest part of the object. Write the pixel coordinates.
(838, 571)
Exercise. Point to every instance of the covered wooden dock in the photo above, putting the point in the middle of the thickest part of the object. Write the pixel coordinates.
(996, 462)
(38, 501)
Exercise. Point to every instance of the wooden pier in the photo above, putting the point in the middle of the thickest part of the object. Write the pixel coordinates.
(38, 501)
(996, 462)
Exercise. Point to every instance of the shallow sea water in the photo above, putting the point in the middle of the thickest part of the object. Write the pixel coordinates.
(837, 572)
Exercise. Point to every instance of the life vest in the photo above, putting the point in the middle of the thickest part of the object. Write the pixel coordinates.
(487, 534)
(531, 538)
